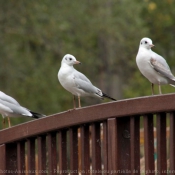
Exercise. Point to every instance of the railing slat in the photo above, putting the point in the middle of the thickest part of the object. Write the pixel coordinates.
(123, 145)
(31, 156)
(11, 156)
(85, 151)
(96, 148)
(149, 144)
(52, 153)
(73, 136)
(42, 155)
(21, 157)
(3, 158)
(172, 143)
(112, 145)
(105, 149)
(62, 147)
(161, 144)
(135, 144)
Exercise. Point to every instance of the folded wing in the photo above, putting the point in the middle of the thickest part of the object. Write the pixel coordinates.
(160, 65)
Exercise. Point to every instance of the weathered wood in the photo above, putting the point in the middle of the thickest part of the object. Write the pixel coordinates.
(135, 144)
(149, 144)
(85, 150)
(3, 159)
(172, 143)
(21, 157)
(161, 144)
(62, 145)
(73, 136)
(52, 153)
(42, 155)
(123, 146)
(96, 149)
(112, 145)
(31, 156)
(105, 148)
(115, 144)
(11, 157)
(137, 106)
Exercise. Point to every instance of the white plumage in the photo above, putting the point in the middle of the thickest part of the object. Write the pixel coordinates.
(76, 82)
(153, 66)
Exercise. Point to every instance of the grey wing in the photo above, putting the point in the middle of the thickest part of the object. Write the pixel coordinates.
(9, 108)
(82, 82)
(7, 98)
(85, 86)
(5, 109)
(81, 76)
(88, 87)
(160, 65)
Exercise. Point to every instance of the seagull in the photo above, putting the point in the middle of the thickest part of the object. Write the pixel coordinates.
(9, 107)
(75, 82)
(153, 66)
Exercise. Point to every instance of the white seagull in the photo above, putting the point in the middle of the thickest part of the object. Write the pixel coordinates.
(153, 66)
(75, 82)
(9, 107)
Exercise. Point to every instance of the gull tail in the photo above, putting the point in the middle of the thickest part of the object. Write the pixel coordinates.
(37, 115)
(106, 96)
(172, 82)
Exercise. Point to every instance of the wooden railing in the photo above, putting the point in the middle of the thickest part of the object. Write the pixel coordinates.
(101, 139)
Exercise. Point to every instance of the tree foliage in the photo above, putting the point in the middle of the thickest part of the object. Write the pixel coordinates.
(103, 35)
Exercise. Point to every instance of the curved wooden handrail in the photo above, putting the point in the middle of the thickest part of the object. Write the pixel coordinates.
(121, 108)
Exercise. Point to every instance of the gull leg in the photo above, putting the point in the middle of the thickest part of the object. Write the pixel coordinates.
(74, 102)
(160, 91)
(152, 88)
(79, 102)
(9, 121)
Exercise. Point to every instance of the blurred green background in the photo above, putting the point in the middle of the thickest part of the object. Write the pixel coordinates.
(103, 34)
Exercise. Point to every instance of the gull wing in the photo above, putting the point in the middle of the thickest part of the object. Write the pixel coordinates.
(7, 98)
(160, 65)
(86, 86)
(81, 76)
(82, 82)
(5, 109)
(12, 109)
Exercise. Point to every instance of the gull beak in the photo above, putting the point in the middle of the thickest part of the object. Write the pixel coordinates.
(152, 45)
(77, 62)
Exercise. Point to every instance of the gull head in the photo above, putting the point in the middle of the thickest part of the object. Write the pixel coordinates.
(146, 43)
(69, 60)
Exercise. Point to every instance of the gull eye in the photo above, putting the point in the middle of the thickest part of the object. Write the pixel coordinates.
(70, 59)
(146, 42)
